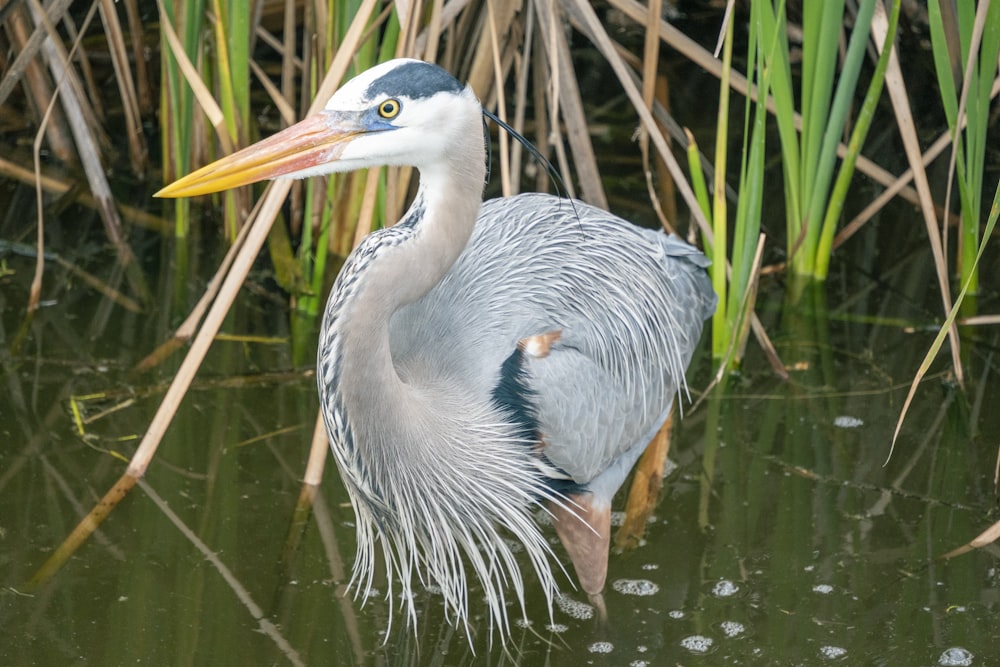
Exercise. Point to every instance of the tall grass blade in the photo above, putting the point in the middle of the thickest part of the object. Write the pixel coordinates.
(772, 40)
(822, 23)
(747, 248)
(718, 246)
(697, 175)
(947, 326)
(979, 46)
(818, 191)
(176, 101)
(905, 124)
(862, 124)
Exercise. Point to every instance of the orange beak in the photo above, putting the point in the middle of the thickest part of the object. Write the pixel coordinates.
(311, 143)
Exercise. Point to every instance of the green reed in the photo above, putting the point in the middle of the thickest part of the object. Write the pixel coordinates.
(826, 96)
(815, 179)
(729, 323)
(177, 101)
(862, 124)
(972, 76)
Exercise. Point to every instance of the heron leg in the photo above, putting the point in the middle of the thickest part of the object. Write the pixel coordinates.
(647, 482)
(585, 531)
(601, 610)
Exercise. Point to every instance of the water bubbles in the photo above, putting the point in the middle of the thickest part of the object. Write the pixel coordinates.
(578, 610)
(823, 589)
(956, 656)
(557, 628)
(725, 589)
(697, 643)
(832, 652)
(601, 647)
(846, 421)
(675, 613)
(639, 663)
(639, 587)
(732, 628)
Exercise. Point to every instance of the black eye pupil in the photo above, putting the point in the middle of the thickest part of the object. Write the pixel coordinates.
(389, 108)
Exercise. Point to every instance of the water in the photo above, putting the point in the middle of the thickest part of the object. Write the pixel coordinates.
(783, 536)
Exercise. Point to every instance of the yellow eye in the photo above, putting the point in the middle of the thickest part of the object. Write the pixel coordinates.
(389, 108)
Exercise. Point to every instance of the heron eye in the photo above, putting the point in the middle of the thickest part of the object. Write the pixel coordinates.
(389, 108)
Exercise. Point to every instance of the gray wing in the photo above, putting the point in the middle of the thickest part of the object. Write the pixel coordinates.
(628, 304)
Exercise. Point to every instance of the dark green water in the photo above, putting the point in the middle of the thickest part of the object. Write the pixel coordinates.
(783, 537)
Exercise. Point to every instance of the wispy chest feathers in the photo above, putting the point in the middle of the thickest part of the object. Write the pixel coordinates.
(443, 515)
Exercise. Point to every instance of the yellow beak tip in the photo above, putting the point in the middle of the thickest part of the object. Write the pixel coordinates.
(176, 191)
(169, 191)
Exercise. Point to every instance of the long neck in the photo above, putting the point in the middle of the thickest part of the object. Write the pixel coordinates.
(390, 269)
(427, 240)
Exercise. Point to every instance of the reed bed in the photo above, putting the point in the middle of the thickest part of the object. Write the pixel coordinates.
(225, 67)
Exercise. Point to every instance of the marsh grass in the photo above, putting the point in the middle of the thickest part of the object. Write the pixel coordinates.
(965, 50)
(220, 63)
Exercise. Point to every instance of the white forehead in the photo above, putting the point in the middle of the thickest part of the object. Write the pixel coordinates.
(403, 77)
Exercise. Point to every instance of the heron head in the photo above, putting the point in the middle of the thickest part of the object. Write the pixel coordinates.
(402, 112)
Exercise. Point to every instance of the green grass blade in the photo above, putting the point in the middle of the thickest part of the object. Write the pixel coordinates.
(834, 121)
(746, 227)
(821, 26)
(721, 334)
(861, 127)
(980, 57)
(948, 323)
(942, 62)
(772, 39)
(240, 12)
(697, 175)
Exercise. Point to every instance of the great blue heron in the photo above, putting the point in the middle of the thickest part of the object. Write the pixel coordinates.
(480, 360)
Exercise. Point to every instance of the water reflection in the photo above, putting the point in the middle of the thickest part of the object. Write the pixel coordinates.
(783, 537)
